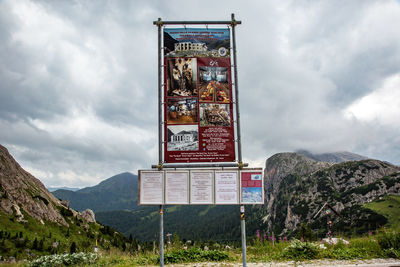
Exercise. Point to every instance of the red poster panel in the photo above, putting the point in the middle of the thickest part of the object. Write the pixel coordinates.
(199, 110)
(251, 187)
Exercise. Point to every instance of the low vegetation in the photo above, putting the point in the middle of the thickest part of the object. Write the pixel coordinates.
(389, 206)
(30, 239)
(385, 244)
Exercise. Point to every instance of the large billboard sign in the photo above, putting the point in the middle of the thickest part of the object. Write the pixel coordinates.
(198, 110)
(201, 187)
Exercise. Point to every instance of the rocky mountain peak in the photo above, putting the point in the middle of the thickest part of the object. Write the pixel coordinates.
(334, 157)
(21, 192)
(296, 186)
(282, 164)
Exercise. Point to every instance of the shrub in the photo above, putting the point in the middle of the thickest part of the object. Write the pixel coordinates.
(195, 255)
(390, 243)
(64, 260)
(298, 250)
(389, 240)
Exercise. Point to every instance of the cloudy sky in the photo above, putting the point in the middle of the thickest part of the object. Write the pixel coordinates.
(78, 81)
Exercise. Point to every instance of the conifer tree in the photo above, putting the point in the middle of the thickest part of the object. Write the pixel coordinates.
(72, 249)
(35, 244)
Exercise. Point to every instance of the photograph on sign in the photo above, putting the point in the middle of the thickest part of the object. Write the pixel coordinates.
(182, 137)
(177, 187)
(182, 111)
(197, 42)
(151, 184)
(251, 187)
(202, 187)
(226, 187)
(181, 77)
(214, 84)
(215, 115)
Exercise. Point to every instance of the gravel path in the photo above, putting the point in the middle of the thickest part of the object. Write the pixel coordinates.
(314, 263)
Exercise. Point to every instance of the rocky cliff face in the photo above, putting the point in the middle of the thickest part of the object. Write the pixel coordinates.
(21, 193)
(296, 187)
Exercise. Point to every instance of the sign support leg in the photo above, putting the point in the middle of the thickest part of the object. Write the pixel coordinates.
(161, 236)
(243, 230)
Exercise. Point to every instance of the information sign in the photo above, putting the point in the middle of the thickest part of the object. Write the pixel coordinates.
(251, 187)
(226, 187)
(151, 190)
(176, 187)
(201, 187)
(198, 114)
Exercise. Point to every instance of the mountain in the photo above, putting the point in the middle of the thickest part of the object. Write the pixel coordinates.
(21, 192)
(297, 187)
(115, 193)
(52, 189)
(335, 157)
(33, 222)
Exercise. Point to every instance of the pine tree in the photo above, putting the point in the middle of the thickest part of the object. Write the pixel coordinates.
(35, 244)
(72, 249)
(41, 245)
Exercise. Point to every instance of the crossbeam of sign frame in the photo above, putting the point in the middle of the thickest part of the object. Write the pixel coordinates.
(201, 187)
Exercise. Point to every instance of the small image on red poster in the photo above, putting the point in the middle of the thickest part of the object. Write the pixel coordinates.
(214, 80)
(181, 77)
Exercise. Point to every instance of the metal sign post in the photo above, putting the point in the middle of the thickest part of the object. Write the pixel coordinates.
(161, 236)
(243, 229)
(160, 139)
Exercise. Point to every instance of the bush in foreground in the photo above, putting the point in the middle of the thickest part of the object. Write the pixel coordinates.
(64, 260)
(195, 255)
(390, 243)
(298, 250)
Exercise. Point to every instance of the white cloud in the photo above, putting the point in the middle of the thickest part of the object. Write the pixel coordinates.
(382, 106)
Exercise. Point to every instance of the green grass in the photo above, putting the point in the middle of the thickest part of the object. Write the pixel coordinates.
(204, 212)
(385, 244)
(29, 239)
(388, 206)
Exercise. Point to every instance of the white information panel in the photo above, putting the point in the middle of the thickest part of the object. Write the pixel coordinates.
(176, 187)
(226, 187)
(151, 187)
(202, 187)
